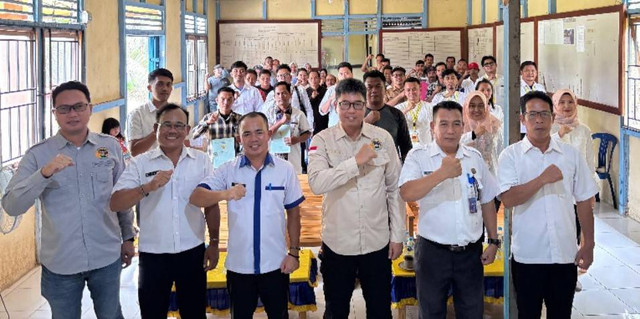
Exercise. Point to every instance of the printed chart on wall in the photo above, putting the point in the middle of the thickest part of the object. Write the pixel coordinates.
(581, 53)
(404, 48)
(251, 42)
(480, 43)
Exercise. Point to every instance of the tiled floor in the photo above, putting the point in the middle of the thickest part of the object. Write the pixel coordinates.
(611, 287)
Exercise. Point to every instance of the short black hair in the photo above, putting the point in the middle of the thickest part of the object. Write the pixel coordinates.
(110, 123)
(380, 54)
(159, 72)
(487, 57)
(485, 81)
(387, 67)
(252, 115)
(303, 70)
(344, 65)
(450, 57)
(286, 85)
(325, 70)
(439, 64)
(348, 86)
(420, 62)
(238, 64)
(71, 85)
(265, 71)
(399, 68)
(462, 60)
(411, 79)
(226, 89)
(448, 72)
(169, 107)
(268, 57)
(314, 71)
(525, 63)
(283, 66)
(428, 55)
(252, 71)
(374, 74)
(446, 105)
(534, 95)
(385, 60)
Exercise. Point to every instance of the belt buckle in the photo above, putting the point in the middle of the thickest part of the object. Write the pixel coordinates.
(456, 248)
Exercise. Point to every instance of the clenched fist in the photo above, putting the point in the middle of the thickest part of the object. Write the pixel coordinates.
(551, 174)
(57, 164)
(161, 179)
(451, 167)
(372, 117)
(236, 192)
(365, 154)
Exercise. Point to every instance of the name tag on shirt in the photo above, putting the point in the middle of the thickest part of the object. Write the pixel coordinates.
(151, 174)
(273, 188)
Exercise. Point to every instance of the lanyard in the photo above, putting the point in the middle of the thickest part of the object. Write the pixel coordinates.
(414, 114)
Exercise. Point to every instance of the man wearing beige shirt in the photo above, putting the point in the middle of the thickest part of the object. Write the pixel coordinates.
(356, 166)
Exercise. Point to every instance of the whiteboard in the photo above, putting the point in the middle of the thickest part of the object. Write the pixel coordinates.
(406, 47)
(526, 43)
(480, 43)
(581, 54)
(251, 42)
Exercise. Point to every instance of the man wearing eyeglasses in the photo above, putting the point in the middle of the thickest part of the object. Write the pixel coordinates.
(355, 166)
(72, 173)
(528, 76)
(171, 231)
(541, 178)
(394, 95)
(490, 67)
(298, 98)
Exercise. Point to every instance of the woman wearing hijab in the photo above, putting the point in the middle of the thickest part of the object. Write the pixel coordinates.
(483, 131)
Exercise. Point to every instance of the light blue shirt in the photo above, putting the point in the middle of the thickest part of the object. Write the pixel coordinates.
(79, 231)
(257, 242)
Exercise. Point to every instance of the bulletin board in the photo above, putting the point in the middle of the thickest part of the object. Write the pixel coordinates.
(252, 40)
(405, 47)
(480, 42)
(527, 43)
(583, 51)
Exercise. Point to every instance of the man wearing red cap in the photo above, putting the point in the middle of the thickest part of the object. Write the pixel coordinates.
(469, 84)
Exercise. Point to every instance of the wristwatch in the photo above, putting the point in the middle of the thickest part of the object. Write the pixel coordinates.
(496, 242)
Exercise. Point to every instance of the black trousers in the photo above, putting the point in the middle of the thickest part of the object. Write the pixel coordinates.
(438, 269)
(271, 287)
(339, 273)
(552, 283)
(158, 272)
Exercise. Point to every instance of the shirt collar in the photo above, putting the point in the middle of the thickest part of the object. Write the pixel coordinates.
(60, 141)
(434, 149)
(244, 161)
(288, 111)
(553, 145)
(152, 108)
(186, 151)
(365, 131)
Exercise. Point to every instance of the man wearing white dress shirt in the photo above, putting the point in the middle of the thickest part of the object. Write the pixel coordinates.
(247, 97)
(171, 230)
(528, 76)
(541, 178)
(327, 105)
(298, 98)
(418, 113)
(455, 191)
(258, 188)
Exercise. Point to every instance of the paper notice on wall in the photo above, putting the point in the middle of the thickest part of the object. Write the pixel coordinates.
(580, 38)
(554, 32)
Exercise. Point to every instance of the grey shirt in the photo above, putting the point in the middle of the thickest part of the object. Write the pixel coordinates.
(79, 232)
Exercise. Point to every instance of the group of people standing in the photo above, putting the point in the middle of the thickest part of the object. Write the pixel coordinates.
(441, 148)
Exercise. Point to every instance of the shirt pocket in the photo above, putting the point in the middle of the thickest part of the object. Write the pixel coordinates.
(102, 183)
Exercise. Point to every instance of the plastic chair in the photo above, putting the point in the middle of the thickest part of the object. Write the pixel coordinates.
(605, 153)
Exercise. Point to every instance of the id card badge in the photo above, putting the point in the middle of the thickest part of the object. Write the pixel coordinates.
(414, 137)
(472, 194)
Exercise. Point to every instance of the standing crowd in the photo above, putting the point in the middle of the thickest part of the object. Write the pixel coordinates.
(432, 134)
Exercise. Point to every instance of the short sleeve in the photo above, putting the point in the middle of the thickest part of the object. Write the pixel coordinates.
(130, 177)
(303, 124)
(218, 180)
(134, 125)
(584, 187)
(411, 168)
(489, 184)
(293, 196)
(507, 173)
